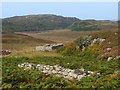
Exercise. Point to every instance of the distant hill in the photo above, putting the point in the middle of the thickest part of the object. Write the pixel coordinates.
(37, 22)
(88, 25)
(44, 22)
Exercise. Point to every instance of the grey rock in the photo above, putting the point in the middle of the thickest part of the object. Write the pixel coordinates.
(48, 47)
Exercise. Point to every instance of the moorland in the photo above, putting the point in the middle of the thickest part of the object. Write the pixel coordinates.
(21, 34)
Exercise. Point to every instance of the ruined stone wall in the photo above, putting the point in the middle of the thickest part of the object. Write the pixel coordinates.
(57, 70)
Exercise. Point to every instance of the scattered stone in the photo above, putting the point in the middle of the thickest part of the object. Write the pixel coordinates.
(94, 41)
(5, 52)
(117, 57)
(45, 71)
(80, 76)
(48, 47)
(47, 68)
(108, 49)
(102, 40)
(97, 40)
(68, 77)
(109, 58)
(90, 72)
(79, 71)
(97, 75)
(57, 70)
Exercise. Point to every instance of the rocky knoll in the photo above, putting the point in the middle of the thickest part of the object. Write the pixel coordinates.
(58, 70)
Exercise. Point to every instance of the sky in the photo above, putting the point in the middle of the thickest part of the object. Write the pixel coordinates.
(81, 10)
(59, 0)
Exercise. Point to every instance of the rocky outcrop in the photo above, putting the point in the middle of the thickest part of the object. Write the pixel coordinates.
(48, 47)
(57, 70)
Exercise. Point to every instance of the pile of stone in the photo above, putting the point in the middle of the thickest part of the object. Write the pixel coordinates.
(5, 52)
(57, 70)
(48, 47)
(111, 58)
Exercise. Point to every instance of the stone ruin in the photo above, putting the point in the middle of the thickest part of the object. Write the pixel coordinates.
(5, 52)
(85, 41)
(97, 40)
(48, 47)
(58, 70)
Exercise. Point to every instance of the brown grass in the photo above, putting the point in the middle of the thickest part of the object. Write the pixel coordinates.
(23, 43)
(59, 36)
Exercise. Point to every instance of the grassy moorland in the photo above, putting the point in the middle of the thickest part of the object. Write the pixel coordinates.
(23, 44)
(66, 36)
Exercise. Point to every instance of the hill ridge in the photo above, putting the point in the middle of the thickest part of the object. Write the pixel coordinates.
(44, 22)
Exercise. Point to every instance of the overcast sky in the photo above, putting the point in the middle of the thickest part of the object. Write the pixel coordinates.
(82, 10)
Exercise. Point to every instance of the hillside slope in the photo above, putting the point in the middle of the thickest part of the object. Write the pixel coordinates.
(37, 22)
(89, 25)
(45, 22)
(15, 41)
